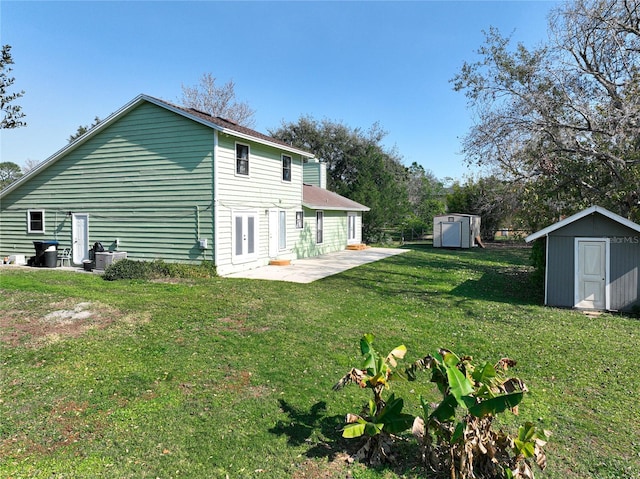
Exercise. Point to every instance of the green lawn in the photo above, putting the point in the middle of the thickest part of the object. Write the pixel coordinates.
(232, 378)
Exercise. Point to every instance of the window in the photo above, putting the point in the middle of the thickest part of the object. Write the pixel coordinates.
(351, 226)
(245, 236)
(242, 159)
(286, 168)
(299, 220)
(319, 226)
(35, 221)
(282, 226)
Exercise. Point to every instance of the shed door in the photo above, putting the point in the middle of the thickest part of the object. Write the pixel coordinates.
(591, 273)
(451, 235)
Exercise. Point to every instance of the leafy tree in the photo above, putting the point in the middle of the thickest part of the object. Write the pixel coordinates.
(490, 197)
(11, 114)
(563, 119)
(427, 196)
(358, 167)
(217, 100)
(9, 172)
(82, 129)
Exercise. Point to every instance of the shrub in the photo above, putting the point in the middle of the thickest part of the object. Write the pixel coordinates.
(538, 261)
(145, 270)
(127, 269)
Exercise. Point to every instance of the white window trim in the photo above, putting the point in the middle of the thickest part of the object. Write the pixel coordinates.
(235, 160)
(352, 216)
(290, 168)
(44, 224)
(320, 214)
(282, 218)
(300, 225)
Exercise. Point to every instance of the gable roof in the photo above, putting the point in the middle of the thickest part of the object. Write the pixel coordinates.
(217, 123)
(593, 209)
(316, 198)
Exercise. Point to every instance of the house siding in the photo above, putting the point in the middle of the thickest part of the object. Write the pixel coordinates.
(263, 189)
(624, 262)
(334, 234)
(130, 179)
(560, 273)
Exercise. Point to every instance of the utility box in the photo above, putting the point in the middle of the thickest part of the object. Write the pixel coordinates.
(456, 230)
(105, 259)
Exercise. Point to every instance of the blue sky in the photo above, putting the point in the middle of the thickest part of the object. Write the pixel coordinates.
(354, 62)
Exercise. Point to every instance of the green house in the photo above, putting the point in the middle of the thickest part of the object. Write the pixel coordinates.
(160, 181)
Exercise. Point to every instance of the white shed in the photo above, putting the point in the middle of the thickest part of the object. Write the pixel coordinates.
(456, 230)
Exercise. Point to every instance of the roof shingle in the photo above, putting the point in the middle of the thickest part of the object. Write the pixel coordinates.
(316, 198)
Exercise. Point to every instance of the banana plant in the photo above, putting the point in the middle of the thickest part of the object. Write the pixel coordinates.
(380, 419)
(460, 423)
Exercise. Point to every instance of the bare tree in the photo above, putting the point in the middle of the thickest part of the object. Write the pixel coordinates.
(29, 165)
(217, 100)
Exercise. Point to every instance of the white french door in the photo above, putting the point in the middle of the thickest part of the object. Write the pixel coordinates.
(245, 236)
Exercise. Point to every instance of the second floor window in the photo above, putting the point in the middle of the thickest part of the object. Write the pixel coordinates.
(286, 168)
(242, 159)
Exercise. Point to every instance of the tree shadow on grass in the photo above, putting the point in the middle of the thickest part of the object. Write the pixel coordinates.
(411, 275)
(327, 442)
(301, 425)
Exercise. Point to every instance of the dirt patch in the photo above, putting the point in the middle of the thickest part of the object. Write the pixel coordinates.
(35, 325)
(336, 468)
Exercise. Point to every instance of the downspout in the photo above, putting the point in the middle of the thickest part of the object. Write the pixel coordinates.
(216, 201)
(197, 213)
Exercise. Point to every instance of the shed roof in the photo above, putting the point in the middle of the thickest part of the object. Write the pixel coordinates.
(571, 219)
(316, 198)
(217, 123)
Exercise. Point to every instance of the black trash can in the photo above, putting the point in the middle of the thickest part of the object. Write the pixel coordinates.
(46, 253)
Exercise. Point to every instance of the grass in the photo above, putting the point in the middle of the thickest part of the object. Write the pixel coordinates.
(232, 378)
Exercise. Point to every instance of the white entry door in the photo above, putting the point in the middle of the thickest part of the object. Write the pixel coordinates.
(80, 237)
(273, 233)
(591, 273)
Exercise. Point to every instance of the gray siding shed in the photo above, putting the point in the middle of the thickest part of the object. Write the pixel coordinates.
(575, 271)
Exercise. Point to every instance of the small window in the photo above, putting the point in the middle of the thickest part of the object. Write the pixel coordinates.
(319, 226)
(286, 168)
(35, 221)
(242, 159)
(299, 220)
